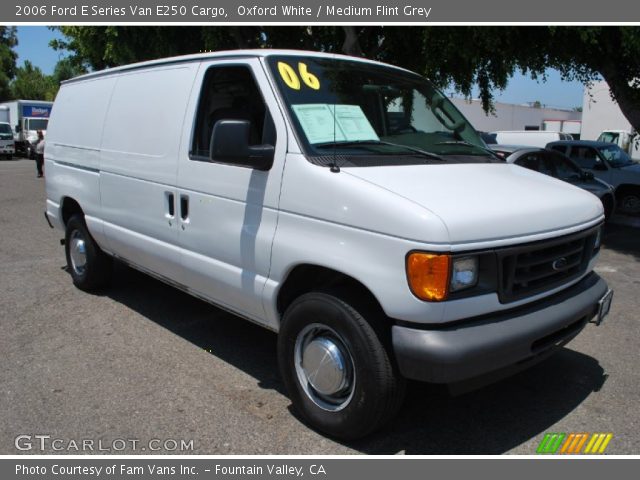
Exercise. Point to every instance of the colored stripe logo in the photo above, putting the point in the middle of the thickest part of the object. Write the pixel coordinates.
(574, 443)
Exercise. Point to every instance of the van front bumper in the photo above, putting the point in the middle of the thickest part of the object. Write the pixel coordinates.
(498, 344)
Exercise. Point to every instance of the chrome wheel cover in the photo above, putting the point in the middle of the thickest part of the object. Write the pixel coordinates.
(78, 252)
(324, 367)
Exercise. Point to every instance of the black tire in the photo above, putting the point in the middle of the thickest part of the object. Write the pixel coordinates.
(376, 390)
(96, 271)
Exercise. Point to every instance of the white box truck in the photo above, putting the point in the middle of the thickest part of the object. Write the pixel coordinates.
(26, 117)
(343, 203)
(7, 148)
(627, 140)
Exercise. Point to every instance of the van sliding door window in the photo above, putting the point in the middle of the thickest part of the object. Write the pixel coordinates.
(230, 93)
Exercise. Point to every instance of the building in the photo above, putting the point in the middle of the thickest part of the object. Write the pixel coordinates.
(509, 116)
(600, 112)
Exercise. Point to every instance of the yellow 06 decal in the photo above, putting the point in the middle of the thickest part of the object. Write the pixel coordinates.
(290, 77)
(308, 78)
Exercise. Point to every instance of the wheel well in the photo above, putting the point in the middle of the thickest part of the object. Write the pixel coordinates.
(69, 208)
(307, 278)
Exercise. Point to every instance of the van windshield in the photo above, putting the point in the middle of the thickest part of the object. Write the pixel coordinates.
(360, 109)
(5, 128)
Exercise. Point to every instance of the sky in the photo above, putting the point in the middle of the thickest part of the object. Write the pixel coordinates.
(33, 45)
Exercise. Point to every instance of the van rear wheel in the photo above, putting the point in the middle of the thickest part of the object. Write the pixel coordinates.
(89, 266)
(339, 376)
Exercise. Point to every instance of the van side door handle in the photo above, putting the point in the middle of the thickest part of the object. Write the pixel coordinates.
(170, 207)
(184, 208)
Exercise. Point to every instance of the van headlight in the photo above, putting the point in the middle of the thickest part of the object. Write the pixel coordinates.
(464, 273)
(432, 276)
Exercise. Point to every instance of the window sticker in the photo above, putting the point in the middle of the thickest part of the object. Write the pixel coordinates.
(321, 125)
(354, 123)
(318, 123)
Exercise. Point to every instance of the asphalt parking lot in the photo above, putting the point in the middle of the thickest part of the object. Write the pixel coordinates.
(144, 361)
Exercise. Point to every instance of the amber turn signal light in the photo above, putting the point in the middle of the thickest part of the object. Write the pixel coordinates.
(428, 275)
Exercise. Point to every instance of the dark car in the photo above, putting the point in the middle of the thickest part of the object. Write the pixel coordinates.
(557, 165)
(609, 163)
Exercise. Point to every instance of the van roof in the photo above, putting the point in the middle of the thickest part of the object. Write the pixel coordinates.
(255, 53)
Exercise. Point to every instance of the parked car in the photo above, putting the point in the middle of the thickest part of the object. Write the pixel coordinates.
(344, 203)
(609, 163)
(530, 138)
(555, 164)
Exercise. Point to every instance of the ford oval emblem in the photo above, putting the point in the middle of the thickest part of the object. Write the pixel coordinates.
(559, 264)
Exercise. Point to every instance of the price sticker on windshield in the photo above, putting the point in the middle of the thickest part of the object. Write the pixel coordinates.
(292, 80)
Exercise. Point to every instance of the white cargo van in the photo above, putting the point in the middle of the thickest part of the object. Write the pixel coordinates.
(344, 203)
(529, 138)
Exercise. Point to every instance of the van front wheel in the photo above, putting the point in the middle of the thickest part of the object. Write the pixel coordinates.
(338, 374)
(89, 266)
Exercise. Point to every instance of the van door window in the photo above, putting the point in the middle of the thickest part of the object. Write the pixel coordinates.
(230, 93)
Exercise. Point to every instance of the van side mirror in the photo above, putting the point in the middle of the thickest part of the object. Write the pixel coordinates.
(230, 144)
(587, 175)
(18, 128)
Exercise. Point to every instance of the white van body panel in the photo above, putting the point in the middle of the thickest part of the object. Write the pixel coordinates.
(75, 134)
(138, 163)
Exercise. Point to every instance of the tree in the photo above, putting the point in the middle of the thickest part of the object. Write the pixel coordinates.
(8, 56)
(460, 56)
(31, 83)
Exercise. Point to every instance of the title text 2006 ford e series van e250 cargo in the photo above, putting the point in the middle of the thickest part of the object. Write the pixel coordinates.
(344, 203)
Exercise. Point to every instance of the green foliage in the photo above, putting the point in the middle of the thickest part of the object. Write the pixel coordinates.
(460, 56)
(8, 56)
(32, 84)
(65, 69)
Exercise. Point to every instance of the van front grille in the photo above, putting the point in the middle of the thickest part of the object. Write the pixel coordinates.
(534, 268)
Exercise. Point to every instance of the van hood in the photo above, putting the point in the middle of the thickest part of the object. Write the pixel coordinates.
(483, 202)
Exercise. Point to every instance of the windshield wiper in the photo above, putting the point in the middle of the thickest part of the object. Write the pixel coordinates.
(469, 144)
(356, 143)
